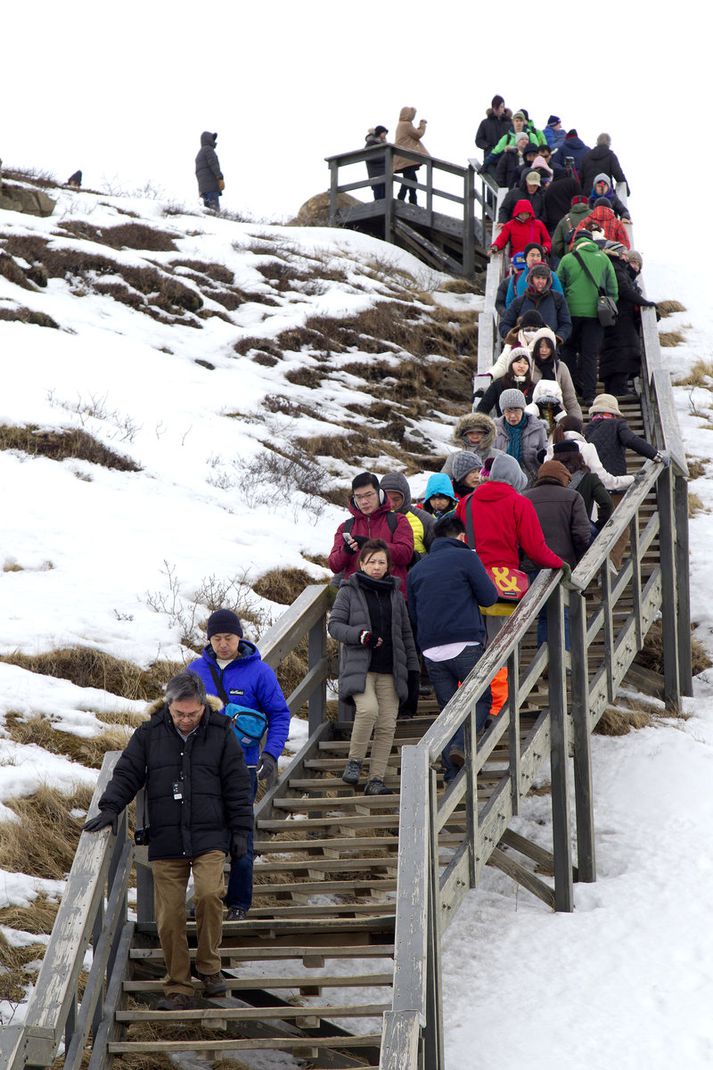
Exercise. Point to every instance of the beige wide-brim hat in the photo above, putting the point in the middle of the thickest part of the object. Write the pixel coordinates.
(605, 403)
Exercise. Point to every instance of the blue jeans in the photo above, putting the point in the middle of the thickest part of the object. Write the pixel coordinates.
(445, 677)
(240, 883)
(211, 200)
(542, 619)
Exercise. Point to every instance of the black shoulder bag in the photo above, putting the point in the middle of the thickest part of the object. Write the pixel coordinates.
(607, 311)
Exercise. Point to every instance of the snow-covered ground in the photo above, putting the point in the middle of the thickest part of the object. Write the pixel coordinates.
(90, 554)
(626, 980)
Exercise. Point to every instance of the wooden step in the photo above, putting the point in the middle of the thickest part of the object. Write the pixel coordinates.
(322, 910)
(230, 1013)
(371, 1040)
(326, 865)
(325, 887)
(271, 951)
(237, 984)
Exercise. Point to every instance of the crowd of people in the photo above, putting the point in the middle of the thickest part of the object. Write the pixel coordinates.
(423, 587)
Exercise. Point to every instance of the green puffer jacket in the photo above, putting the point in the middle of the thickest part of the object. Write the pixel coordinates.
(580, 291)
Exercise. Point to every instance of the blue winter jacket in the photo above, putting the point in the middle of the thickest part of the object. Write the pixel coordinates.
(517, 286)
(445, 590)
(247, 681)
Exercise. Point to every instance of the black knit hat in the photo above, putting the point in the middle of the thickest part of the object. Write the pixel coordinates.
(380, 130)
(224, 622)
(567, 446)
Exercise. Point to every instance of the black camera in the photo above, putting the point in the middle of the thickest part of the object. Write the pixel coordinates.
(142, 837)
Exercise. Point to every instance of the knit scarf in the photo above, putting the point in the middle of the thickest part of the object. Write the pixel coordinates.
(548, 368)
(514, 434)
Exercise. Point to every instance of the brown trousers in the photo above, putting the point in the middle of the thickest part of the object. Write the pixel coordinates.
(376, 711)
(170, 877)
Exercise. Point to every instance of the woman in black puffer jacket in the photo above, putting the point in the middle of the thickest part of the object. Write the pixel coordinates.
(378, 661)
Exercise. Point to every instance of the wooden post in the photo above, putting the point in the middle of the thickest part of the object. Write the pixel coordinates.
(317, 649)
(680, 485)
(389, 195)
(429, 190)
(333, 188)
(583, 787)
(433, 1034)
(471, 796)
(605, 580)
(664, 498)
(469, 223)
(564, 898)
(514, 728)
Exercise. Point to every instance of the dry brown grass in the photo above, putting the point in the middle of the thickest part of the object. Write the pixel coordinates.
(651, 656)
(93, 668)
(36, 918)
(667, 308)
(14, 975)
(701, 374)
(282, 585)
(669, 339)
(58, 445)
(618, 722)
(44, 840)
(40, 731)
(460, 286)
(696, 467)
(20, 314)
(12, 271)
(695, 505)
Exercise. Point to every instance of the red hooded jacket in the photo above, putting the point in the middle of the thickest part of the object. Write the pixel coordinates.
(521, 234)
(504, 523)
(374, 526)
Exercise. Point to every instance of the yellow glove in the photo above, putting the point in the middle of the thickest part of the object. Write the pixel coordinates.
(221, 184)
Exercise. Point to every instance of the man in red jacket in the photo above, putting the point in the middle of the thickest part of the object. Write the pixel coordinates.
(521, 230)
(371, 519)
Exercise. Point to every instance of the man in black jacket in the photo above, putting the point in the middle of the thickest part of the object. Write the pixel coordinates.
(210, 177)
(199, 809)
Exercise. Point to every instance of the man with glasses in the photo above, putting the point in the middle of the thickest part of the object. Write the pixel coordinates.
(199, 808)
(371, 518)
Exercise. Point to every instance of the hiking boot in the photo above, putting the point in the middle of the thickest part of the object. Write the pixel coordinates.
(176, 1001)
(456, 757)
(236, 914)
(213, 983)
(376, 786)
(352, 771)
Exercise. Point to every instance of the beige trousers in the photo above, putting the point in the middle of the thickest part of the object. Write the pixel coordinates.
(376, 711)
(170, 877)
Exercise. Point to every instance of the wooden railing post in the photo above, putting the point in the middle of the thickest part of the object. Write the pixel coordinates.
(317, 649)
(583, 788)
(434, 1057)
(333, 187)
(685, 669)
(669, 595)
(429, 191)
(469, 223)
(389, 195)
(564, 897)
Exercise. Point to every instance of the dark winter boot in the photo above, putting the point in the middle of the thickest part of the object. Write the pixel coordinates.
(376, 786)
(352, 771)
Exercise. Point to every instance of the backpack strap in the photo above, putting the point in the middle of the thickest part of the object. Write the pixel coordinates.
(469, 527)
(588, 273)
(218, 683)
(391, 520)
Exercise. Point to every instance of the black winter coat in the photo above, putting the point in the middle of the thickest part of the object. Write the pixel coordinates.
(593, 491)
(208, 170)
(612, 437)
(563, 520)
(519, 193)
(621, 350)
(492, 129)
(214, 784)
(558, 200)
(601, 159)
(375, 164)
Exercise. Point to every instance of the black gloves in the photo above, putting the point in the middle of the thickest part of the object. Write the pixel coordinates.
(267, 767)
(369, 639)
(238, 845)
(103, 819)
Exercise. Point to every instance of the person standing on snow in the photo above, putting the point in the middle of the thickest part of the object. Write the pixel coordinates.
(231, 668)
(210, 177)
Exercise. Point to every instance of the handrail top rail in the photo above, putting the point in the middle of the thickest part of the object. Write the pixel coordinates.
(343, 159)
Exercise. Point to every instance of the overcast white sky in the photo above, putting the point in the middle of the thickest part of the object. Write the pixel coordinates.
(123, 91)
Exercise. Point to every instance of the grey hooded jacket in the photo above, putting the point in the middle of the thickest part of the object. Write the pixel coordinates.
(208, 170)
(422, 522)
(349, 618)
